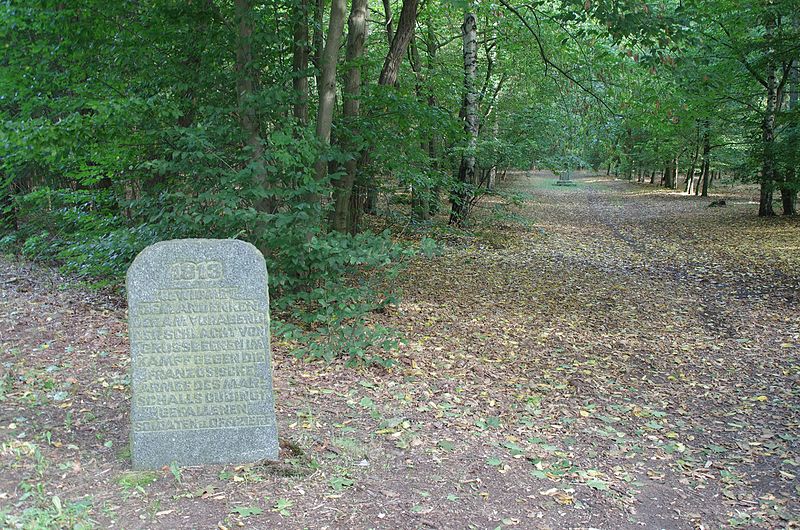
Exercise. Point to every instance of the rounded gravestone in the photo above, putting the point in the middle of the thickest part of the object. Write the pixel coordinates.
(198, 316)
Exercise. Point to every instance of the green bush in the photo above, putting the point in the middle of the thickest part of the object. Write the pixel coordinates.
(329, 320)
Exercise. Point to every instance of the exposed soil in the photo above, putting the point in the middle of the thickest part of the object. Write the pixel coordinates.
(629, 358)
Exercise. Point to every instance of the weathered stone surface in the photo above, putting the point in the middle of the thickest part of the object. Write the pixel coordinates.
(200, 354)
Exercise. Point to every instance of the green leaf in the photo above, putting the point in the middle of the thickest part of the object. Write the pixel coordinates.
(340, 483)
(247, 511)
(597, 484)
(446, 445)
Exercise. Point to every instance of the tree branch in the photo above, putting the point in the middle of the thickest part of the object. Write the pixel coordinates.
(548, 62)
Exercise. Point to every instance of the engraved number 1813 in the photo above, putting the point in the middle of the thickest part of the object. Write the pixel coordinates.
(189, 270)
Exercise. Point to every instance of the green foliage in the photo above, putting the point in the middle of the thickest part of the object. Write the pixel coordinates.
(51, 513)
(110, 142)
(80, 228)
(329, 320)
(247, 511)
(137, 480)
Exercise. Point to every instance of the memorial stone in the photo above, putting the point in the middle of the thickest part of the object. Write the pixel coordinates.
(201, 373)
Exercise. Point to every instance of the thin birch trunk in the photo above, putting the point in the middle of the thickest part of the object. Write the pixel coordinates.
(463, 196)
(687, 185)
(768, 127)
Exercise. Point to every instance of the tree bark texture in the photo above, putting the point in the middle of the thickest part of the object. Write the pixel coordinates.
(768, 127)
(387, 10)
(388, 76)
(318, 40)
(343, 188)
(405, 30)
(671, 174)
(464, 195)
(300, 62)
(327, 86)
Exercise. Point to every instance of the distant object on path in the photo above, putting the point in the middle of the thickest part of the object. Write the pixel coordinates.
(198, 312)
(717, 203)
(565, 180)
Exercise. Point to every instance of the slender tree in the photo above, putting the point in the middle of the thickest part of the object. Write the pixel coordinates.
(245, 89)
(300, 62)
(400, 40)
(343, 187)
(327, 85)
(465, 191)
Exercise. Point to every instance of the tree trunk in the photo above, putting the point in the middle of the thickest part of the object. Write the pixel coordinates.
(300, 62)
(675, 172)
(790, 186)
(388, 76)
(706, 162)
(491, 59)
(405, 30)
(317, 41)
(433, 143)
(765, 200)
(327, 86)
(789, 201)
(653, 176)
(387, 11)
(356, 36)
(705, 177)
(490, 185)
(768, 127)
(420, 207)
(245, 88)
(687, 185)
(464, 194)
(671, 174)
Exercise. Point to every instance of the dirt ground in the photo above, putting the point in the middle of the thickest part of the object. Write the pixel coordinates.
(620, 357)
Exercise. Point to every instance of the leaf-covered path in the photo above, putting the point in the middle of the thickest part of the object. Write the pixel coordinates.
(629, 360)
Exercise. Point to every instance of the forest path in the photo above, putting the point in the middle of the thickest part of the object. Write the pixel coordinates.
(628, 359)
(650, 338)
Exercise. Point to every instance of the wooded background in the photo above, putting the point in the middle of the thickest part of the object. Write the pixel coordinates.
(286, 123)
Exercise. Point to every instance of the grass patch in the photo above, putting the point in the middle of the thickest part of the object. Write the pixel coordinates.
(137, 480)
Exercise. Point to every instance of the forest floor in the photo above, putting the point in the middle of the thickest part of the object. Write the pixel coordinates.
(619, 356)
